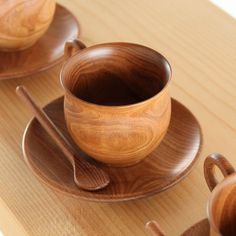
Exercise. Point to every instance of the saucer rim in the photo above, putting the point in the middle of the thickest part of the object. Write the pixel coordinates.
(118, 197)
(198, 224)
(34, 71)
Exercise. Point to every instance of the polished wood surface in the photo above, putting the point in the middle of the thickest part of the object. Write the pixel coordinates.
(216, 160)
(7, 221)
(201, 228)
(47, 52)
(154, 229)
(167, 165)
(117, 102)
(86, 176)
(23, 22)
(199, 41)
(73, 46)
(222, 203)
(221, 207)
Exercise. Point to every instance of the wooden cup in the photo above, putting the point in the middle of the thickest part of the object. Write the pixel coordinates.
(221, 206)
(117, 104)
(23, 22)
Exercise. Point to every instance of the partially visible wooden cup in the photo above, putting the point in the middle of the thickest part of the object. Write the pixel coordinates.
(117, 104)
(221, 206)
(23, 22)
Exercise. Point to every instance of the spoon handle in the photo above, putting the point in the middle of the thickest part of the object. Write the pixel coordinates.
(154, 229)
(47, 124)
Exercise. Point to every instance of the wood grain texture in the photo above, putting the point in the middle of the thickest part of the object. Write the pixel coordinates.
(201, 228)
(221, 207)
(8, 219)
(163, 168)
(47, 52)
(154, 229)
(216, 160)
(86, 176)
(222, 203)
(23, 22)
(117, 102)
(199, 41)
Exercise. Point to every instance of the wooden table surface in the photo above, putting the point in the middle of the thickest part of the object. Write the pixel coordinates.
(200, 42)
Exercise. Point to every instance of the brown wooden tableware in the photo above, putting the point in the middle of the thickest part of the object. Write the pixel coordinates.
(47, 52)
(201, 228)
(154, 228)
(169, 163)
(24, 22)
(86, 176)
(117, 103)
(221, 206)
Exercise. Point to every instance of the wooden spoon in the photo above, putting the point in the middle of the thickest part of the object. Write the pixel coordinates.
(86, 176)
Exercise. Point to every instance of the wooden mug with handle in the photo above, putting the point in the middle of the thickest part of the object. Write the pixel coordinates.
(117, 103)
(221, 207)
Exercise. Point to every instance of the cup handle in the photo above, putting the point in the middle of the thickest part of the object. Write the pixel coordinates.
(222, 163)
(73, 45)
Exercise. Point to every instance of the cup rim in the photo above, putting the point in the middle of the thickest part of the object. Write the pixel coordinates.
(113, 106)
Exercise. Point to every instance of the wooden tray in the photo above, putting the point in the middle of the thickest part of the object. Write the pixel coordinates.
(47, 52)
(166, 166)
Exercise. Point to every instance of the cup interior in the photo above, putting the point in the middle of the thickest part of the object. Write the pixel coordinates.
(222, 207)
(115, 74)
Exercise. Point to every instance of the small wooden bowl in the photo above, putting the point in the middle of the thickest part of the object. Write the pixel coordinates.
(47, 52)
(117, 103)
(23, 22)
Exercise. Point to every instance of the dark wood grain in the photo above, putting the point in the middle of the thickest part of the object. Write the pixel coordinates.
(222, 202)
(47, 52)
(86, 176)
(117, 102)
(199, 41)
(216, 160)
(202, 228)
(73, 46)
(167, 165)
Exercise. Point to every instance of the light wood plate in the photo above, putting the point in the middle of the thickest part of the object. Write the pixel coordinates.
(47, 52)
(167, 165)
(202, 228)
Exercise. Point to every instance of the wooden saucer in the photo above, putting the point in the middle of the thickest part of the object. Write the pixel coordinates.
(167, 165)
(47, 52)
(202, 228)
